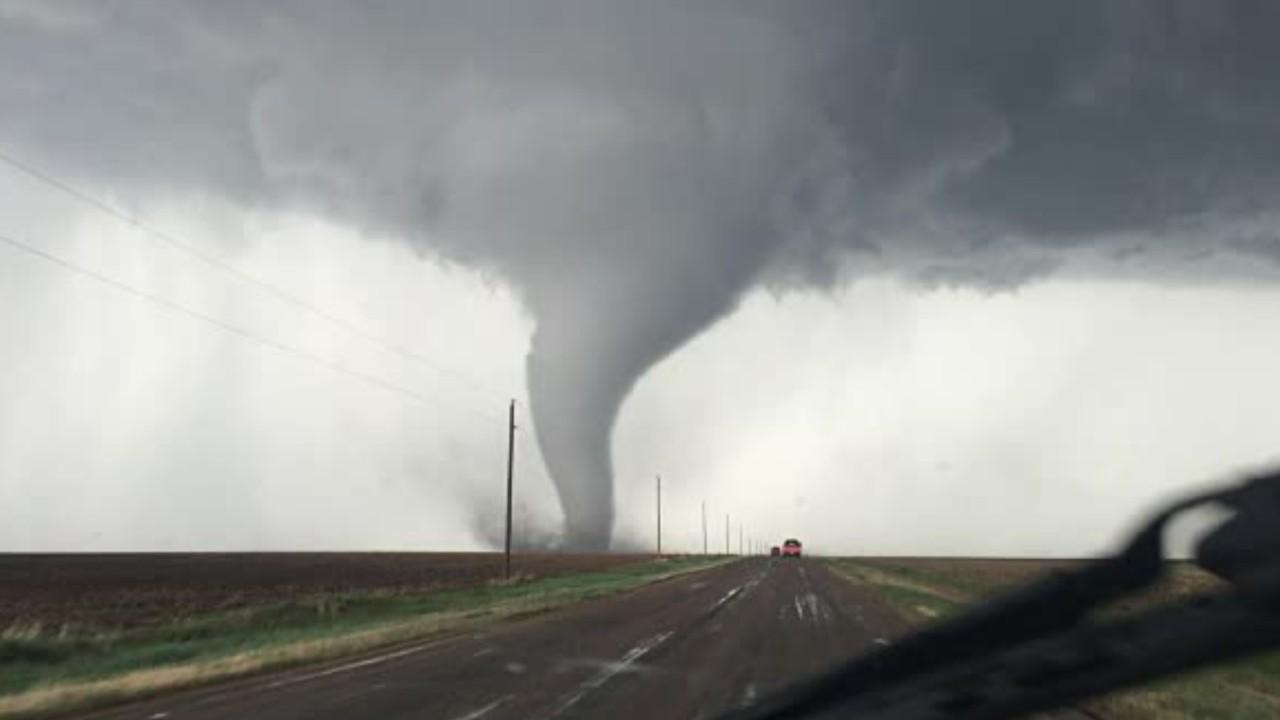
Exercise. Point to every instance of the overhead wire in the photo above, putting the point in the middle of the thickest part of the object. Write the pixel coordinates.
(209, 260)
(235, 330)
(218, 263)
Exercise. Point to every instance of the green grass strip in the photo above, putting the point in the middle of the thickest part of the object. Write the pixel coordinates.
(43, 673)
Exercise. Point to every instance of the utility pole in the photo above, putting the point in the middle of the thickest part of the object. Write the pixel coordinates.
(511, 457)
(739, 538)
(704, 527)
(659, 516)
(726, 534)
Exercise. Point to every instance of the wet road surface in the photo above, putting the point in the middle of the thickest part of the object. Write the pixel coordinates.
(688, 647)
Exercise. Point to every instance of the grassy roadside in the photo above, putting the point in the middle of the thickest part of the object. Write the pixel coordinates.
(44, 672)
(915, 600)
(1245, 690)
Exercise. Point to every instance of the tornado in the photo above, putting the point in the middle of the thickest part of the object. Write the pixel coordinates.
(574, 405)
(599, 330)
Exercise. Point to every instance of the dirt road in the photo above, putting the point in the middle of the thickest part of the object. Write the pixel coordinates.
(689, 647)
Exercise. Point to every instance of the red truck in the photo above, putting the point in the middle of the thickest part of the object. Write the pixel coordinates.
(791, 548)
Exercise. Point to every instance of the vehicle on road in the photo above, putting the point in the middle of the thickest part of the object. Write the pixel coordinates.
(791, 548)
(977, 663)
(775, 551)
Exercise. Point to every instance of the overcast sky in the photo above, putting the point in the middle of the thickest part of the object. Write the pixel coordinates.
(895, 278)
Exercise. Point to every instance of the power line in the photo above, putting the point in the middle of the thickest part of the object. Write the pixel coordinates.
(511, 456)
(704, 527)
(659, 503)
(232, 329)
(220, 264)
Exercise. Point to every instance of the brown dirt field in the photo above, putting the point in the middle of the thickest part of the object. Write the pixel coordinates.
(978, 577)
(991, 574)
(130, 589)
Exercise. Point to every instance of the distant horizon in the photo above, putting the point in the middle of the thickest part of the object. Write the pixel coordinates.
(635, 553)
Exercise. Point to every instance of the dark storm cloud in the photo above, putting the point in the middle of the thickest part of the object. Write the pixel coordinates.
(633, 168)
(1056, 124)
(1118, 117)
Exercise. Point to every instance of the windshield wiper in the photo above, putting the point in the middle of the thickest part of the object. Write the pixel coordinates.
(1038, 648)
